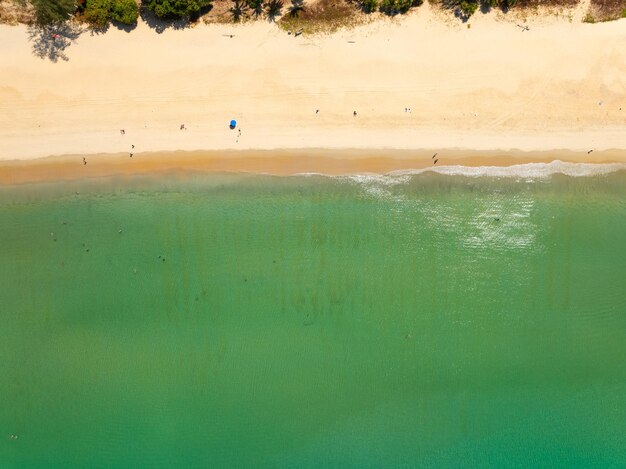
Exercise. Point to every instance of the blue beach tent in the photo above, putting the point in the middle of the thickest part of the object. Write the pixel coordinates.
(233, 124)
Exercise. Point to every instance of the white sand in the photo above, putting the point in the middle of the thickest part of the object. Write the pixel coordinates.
(558, 86)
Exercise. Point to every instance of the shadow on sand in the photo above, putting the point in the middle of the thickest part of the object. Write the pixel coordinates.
(50, 42)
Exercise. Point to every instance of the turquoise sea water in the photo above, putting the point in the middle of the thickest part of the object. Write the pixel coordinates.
(253, 321)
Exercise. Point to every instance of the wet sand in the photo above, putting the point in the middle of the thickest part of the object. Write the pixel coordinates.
(277, 162)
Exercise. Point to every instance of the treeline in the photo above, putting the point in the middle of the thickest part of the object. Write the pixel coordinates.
(99, 13)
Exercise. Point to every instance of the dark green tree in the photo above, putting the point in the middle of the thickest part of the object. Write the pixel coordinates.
(296, 7)
(49, 12)
(468, 8)
(238, 10)
(175, 9)
(274, 9)
(125, 11)
(368, 6)
(98, 13)
(393, 7)
(256, 6)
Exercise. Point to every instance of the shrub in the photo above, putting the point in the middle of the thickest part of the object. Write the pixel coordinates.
(175, 9)
(256, 6)
(468, 8)
(98, 13)
(369, 6)
(125, 11)
(393, 7)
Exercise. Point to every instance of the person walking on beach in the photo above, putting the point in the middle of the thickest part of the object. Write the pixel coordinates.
(354, 113)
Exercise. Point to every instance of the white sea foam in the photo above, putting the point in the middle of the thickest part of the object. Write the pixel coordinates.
(527, 170)
(533, 170)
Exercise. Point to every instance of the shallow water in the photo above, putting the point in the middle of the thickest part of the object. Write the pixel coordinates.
(228, 321)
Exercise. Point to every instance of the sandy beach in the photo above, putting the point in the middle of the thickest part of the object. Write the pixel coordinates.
(423, 81)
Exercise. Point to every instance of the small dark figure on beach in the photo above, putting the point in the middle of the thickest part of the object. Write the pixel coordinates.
(131, 155)
(433, 156)
(354, 113)
(589, 152)
(84, 161)
(122, 131)
(182, 127)
(317, 111)
(436, 161)
(132, 146)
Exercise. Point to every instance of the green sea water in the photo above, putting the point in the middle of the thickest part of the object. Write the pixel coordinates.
(423, 320)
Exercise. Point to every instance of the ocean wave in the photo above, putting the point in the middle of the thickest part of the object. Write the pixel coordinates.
(535, 170)
(532, 170)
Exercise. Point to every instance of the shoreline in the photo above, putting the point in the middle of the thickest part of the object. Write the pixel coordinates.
(283, 163)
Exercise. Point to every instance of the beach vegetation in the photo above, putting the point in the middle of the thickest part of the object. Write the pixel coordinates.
(274, 9)
(605, 10)
(467, 8)
(49, 12)
(98, 13)
(176, 9)
(368, 6)
(394, 7)
(323, 16)
(125, 11)
(296, 7)
(239, 10)
(256, 6)
(502, 4)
